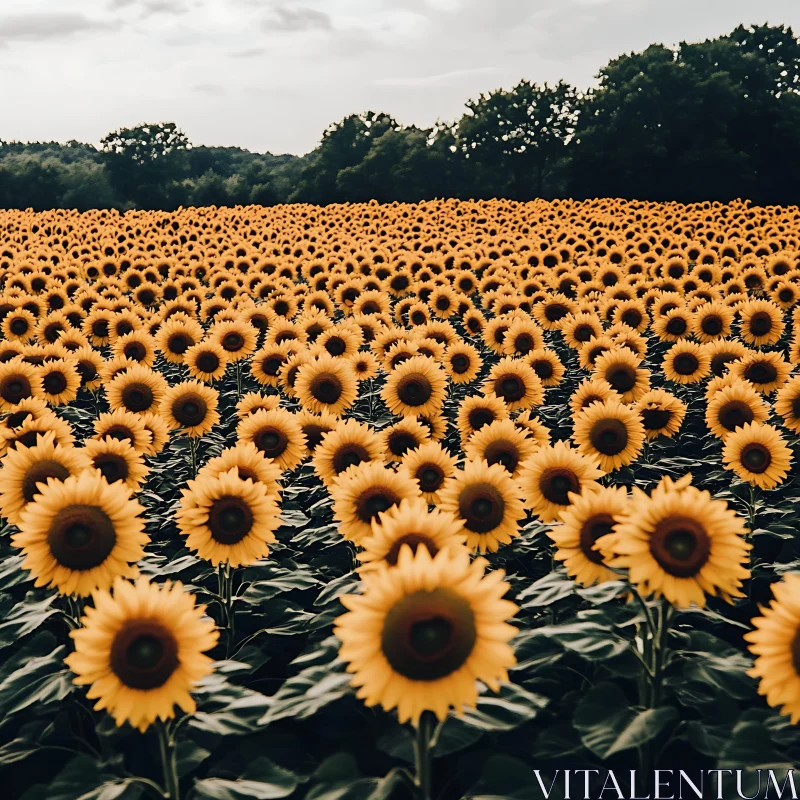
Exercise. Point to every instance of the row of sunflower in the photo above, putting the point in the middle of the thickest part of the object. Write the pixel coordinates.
(542, 455)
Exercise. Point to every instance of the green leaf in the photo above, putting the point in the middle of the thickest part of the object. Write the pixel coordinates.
(642, 728)
(85, 779)
(40, 680)
(509, 709)
(262, 780)
(26, 617)
(505, 778)
(591, 640)
(601, 717)
(304, 694)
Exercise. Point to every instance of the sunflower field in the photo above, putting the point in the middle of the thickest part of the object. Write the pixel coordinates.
(396, 501)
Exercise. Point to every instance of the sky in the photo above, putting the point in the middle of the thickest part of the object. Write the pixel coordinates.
(271, 75)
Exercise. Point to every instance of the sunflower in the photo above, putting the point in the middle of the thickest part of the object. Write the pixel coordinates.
(430, 465)
(227, 520)
(291, 369)
(237, 338)
(549, 477)
(462, 362)
(250, 464)
(97, 326)
(551, 311)
(410, 524)
(158, 431)
(787, 404)
(255, 401)
(712, 322)
(26, 470)
(593, 349)
(141, 651)
(734, 406)
(686, 362)
(620, 370)
(487, 500)
(138, 389)
(757, 453)
(610, 432)
(774, 642)
(679, 543)
(266, 363)
(176, 336)
(522, 337)
(590, 517)
(723, 352)
(80, 534)
(364, 366)
(401, 438)
(475, 412)
(766, 372)
(117, 461)
(138, 346)
(547, 366)
(673, 326)
(89, 364)
(315, 426)
(362, 492)
(416, 387)
(18, 326)
(577, 329)
(661, 413)
(423, 632)
(192, 406)
(762, 322)
(503, 443)
(60, 381)
(18, 381)
(277, 434)
(349, 444)
(124, 425)
(326, 384)
(206, 361)
(516, 383)
(337, 342)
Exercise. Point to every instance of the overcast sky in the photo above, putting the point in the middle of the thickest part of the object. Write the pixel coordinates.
(272, 74)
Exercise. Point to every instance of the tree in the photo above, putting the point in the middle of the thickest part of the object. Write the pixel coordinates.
(518, 135)
(144, 161)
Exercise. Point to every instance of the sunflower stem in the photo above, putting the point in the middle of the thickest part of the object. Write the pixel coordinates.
(751, 509)
(225, 578)
(169, 761)
(423, 755)
(238, 379)
(193, 442)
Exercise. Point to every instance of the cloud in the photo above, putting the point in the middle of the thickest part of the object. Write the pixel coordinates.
(249, 52)
(297, 19)
(440, 79)
(211, 89)
(39, 26)
(150, 7)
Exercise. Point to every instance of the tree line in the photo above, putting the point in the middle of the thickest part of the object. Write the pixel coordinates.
(713, 120)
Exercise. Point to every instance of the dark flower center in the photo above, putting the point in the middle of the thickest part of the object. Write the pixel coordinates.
(413, 540)
(719, 363)
(555, 485)
(680, 545)
(632, 317)
(233, 342)
(761, 372)
(81, 537)
(654, 419)
(711, 325)
(114, 467)
(760, 323)
(543, 369)
(609, 436)
(523, 343)
(208, 362)
(735, 414)
(676, 326)
(621, 378)
(685, 364)
(510, 387)
(54, 383)
(482, 507)
(555, 312)
(375, 500)
(504, 453)
(349, 455)
(460, 364)
(479, 417)
(594, 528)
(429, 635)
(229, 520)
(430, 477)
(135, 350)
(414, 390)
(336, 345)
(314, 434)
(19, 326)
(137, 397)
(39, 473)
(583, 333)
(144, 654)
(189, 410)
(400, 442)
(326, 388)
(272, 442)
(15, 388)
(756, 458)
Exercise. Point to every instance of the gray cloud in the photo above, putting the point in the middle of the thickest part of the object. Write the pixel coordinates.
(293, 20)
(212, 89)
(36, 26)
(440, 79)
(249, 52)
